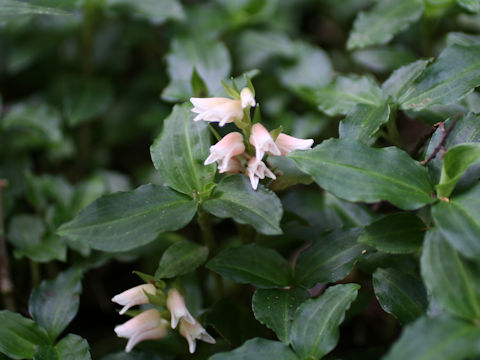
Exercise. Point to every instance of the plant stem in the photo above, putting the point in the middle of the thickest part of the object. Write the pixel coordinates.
(6, 285)
(203, 219)
(34, 273)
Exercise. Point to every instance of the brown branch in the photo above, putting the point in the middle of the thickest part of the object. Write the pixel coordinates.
(6, 285)
(441, 145)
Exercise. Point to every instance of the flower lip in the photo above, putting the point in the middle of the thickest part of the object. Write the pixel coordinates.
(257, 170)
(134, 296)
(221, 110)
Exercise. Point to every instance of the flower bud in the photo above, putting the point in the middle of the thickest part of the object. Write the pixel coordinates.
(134, 296)
(247, 98)
(287, 143)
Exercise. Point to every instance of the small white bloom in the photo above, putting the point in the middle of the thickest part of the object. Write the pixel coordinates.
(134, 296)
(263, 142)
(247, 98)
(149, 325)
(258, 170)
(234, 166)
(287, 143)
(231, 145)
(194, 331)
(221, 110)
(177, 308)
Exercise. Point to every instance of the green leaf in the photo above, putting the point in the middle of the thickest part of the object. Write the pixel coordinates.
(470, 5)
(400, 293)
(314, 330)
(73, 347)
(179, 152)
(363, 122)
(288, 173)
(19, 336)
(455, 162)
(345, 92)
(210, 59)
(330, 258)
(401, 79)
(264, 268)
(440, 338)
(258, 349)
(381, 23)
(451, 279)
(356, 172)
(383, 59)
(400, 233)
(181, 258)
(126, 220)
(45, 352)
(12, 9)
(155, 11)
(234, 197)
(459, 221)
(276, 308)
(453, 75)
(54, 303)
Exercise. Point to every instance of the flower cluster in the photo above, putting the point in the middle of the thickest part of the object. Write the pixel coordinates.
(233, 154)
(150, 325)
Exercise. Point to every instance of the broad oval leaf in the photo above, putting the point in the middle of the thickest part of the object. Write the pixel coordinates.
(19, 336)
(46, 352)
(234, 197)
(451, 279)
(258, 349)
(356, 172)
(180, 150)
(73, 347)
(330, 258)
(315, 331)
(453, 75)
(181, 258)
(400, 293)
(276, 308)
(126, 220)
(262, 267)
(400, 233)
(401, 79)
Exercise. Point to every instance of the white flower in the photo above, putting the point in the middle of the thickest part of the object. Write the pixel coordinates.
(221, 110)
(258, 170)
(263, 142)
(149, 325)
(177, 308)
(247, 98)
(234, 166)
(287, 143)
(134, 296)
(231, 145)
(194, 331)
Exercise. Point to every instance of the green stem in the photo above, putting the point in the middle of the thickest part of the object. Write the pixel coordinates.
(204, 221)
(34, 273)
(6, 284)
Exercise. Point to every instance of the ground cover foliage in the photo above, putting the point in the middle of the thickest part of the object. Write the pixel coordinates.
(366, 246)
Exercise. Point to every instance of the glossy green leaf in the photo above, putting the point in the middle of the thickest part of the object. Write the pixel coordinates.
(12, 9)
(453, 75)
(440, 338)
(400, 233)
(54, 303)
(455, 162)
(127, 220)
(400, 293)
(234, 197)
(363, 122)
(459, 221)
(315, 330)
(401, 79)
(210, 59)
(470, 5)
(345, 92)
(181, 258)
(155, 11)
(258, 349)
(451, 279)
(356, 172)
(262, 267)
(179, 152)
(276, 308)
(381, 23)
(330, 258)
(73, 347)
(19, 336)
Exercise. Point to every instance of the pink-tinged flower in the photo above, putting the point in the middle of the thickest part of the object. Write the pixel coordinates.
(177, 308)
(287, 143)
(263, 142)
(257, 170)
(149, 325)
(234, 166)
(134, 296)
(194, 331)
(231, 145)
(221, 110)
(247, 98)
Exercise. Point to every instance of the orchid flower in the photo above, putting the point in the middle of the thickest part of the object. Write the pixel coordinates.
(194, 331)
(177, 308)
(134, 296)
(217, 109)
(257, 170)
(234, 166)
(263, 142)
(247, 98)
(231, 145)
(149, 325)
(287, 144)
